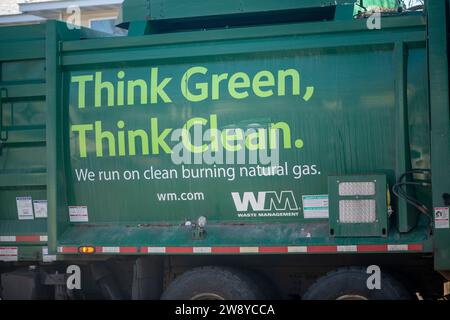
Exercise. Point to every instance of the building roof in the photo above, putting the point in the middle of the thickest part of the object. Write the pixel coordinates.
(9, 7)
(10, 13)
(51, 9)
(32, 11)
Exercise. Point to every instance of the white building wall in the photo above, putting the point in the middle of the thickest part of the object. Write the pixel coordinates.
(8, 7)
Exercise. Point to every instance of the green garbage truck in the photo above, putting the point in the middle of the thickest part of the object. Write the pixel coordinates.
(228, 150)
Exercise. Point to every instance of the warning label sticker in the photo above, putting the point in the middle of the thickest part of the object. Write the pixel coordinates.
(441, 218)
(40, 208)
(315, 206)
(24, 208)
(78, 214)
(8, 253)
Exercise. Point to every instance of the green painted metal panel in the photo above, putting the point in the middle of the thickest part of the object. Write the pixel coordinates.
(23, 144)
(198, 50)
(390, 28)
(156, 16)
(56, 32)
(25, 32)
(438, 30)
(30, 253)
(25, 90)
(27, 179)
(172, 9)
(134, 10)
(312, 121)
(283, 234)
(358, 124)
(32, 49)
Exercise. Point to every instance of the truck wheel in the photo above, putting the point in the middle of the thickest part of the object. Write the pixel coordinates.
(351, 284)
(212, 283)
(267, 288)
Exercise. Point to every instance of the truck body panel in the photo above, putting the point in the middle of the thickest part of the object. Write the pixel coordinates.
(23, 141)
(344, 116)
(96, 131)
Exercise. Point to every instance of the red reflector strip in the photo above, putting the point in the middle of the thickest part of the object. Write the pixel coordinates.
(273, 249)
(322, 249)
(250, 250)
(26, 238)
(371, 247)
(128, 249)
(68, 249)
(415, 247)
(8, 254)
(179, 250)
(144, 249)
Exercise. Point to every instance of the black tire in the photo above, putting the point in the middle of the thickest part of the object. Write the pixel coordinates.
(212, 283)
(351, 283)
(266, 287)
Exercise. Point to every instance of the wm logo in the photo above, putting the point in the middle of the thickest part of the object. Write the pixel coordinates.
(265, 201)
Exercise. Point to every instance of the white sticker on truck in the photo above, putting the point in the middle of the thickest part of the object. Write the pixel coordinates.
(315, 206)
(78, 214)
(24, 208)
(8, 253)
(40, 208)
(441, 218)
